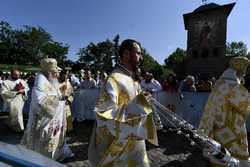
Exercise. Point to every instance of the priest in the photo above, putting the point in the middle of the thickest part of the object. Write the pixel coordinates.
(226, 111)
(46, 127)
(124, 116)
(14, 93)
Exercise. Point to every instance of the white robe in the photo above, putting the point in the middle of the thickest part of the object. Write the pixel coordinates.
(47, 121)
(155, 87)
(14, 102)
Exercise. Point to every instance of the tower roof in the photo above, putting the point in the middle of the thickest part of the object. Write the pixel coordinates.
(208, 8)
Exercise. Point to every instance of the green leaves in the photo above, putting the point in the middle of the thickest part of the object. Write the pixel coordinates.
(149, 64)
(28, 45)
(236, 49)
(175, 61)
(100, 56)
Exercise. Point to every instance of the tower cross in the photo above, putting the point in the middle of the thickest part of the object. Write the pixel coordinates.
(204, 2)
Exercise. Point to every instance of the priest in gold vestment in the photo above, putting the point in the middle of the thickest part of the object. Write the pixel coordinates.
(227, 109)
(124, 117)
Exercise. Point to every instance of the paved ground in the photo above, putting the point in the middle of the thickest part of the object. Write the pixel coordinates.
(174, 150)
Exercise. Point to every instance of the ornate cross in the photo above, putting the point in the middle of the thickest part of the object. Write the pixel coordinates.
(204, 2)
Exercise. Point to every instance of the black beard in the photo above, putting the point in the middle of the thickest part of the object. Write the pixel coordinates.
(136, 73)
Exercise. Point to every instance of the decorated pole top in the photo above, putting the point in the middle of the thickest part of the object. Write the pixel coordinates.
(204, 2)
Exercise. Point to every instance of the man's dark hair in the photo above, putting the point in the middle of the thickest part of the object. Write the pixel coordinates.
(127, 44)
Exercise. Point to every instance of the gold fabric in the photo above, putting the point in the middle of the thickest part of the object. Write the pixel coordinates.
(49, 65)
(239, 63)
(124, 122)
(225, 115)
(67, 90)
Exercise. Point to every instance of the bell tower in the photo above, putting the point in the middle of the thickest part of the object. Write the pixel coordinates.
(206, 39)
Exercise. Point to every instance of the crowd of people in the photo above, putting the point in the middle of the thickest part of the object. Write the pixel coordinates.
(124, 115)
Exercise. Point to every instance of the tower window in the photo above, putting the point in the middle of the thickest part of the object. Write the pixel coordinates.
(215, 52)
(204, 53)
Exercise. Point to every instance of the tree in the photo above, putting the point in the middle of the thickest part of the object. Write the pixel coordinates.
(6, 33)
(36, 39)
(149, 64)
(100, 56)
(236, 49)
(175, 61)
(248, 55)
(56, 50)
(28, 45)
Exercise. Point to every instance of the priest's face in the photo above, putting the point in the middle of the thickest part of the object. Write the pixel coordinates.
(87, 75)
(52, 75)
(15, 74)
(135, 55)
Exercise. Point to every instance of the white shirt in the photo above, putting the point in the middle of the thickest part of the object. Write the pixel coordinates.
(153, 86)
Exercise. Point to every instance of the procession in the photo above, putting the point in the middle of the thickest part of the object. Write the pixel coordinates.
(116, 106)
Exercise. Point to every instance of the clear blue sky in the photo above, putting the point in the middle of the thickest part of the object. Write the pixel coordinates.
(157, 24)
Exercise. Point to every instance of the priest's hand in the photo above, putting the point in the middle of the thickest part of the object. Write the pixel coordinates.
(63, 87)
(134, 137)
(21, 91)
(148, 95)
(67, 102)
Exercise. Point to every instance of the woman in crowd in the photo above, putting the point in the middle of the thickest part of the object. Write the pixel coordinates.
(171, 84)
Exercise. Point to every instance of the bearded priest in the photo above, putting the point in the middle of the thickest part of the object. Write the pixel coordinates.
(46, 127)
(124, 116)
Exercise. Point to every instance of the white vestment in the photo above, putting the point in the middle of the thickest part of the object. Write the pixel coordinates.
(14, 102)
(47, 121)
(154, 87)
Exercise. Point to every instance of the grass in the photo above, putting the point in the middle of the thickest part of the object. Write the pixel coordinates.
(23, 68)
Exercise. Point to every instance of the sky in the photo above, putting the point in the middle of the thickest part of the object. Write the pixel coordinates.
(157, 24)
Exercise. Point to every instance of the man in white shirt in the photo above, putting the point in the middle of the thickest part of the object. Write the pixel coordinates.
(14, 93)
(88, 82)
(151, 85)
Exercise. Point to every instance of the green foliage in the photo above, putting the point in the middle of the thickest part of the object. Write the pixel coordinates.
(23, 68)
(149, 64)
(56, 50)
(28, 45)
(236, 49)
(248, 55)
(104, 55)
(100, 56)
(175, 61)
